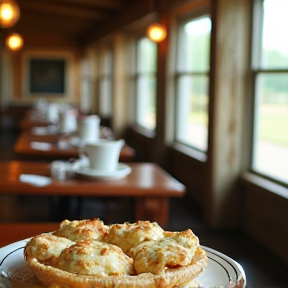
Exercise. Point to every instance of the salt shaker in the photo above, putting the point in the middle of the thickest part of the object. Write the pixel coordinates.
(58, 170)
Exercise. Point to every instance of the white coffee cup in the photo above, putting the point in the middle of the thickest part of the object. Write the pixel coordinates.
(67, 121)
(89, 128)
(52, 113)
(104, 154)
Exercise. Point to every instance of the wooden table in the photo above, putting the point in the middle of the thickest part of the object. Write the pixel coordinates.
(30, 120)
(12, 232)
(23, 148)
(148, 184)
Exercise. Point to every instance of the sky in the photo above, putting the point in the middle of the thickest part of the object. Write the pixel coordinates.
(198, 27)
(275, 25)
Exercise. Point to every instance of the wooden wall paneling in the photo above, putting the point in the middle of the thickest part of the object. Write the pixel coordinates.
(266, 219)
(48, 41)
(21, 77)
(16, 72)
(137, 10)
(93, 58)
(190, 172)
(143, 145)
(230, 39)
(120, 85)
(161, 100)
(5, 78)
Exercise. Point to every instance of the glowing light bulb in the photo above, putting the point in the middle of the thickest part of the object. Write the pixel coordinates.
(14, 42)
(9, 13)
(6, 12)
(156, 32)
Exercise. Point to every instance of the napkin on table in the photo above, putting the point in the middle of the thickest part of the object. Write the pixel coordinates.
(39, 131)
(41, 146)
(51, 129)
(35, 180)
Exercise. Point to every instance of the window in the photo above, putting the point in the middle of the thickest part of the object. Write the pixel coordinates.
(105, 84)
(192, 82)
(270, 71)
(146, 83)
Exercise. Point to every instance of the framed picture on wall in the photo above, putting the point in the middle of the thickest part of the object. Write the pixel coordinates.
(47, 76)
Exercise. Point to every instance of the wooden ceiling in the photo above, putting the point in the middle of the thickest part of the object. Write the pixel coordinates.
(77, 21)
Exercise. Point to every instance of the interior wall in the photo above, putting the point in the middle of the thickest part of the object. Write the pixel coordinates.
(120, 85)
(227, 112)
(189, 171)
(6, 85)
(265, 213)
(20, 64)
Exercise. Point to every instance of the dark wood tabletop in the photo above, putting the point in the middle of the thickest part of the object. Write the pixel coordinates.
(26, 137)
(12, 232)
(148, 183)
(31, 120)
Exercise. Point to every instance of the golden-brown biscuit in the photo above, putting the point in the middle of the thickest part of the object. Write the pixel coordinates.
(46, 246)
(82, 229)
(94, 258)
(155, 256)
(128, 235)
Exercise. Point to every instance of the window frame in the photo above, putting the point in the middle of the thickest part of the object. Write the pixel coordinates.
(103, 77)
(180, 22)
(255, 71)
(137, 75)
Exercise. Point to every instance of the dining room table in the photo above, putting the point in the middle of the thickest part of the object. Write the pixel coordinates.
(33, 118)
(15, 231)
(148, 184)
(53, 146)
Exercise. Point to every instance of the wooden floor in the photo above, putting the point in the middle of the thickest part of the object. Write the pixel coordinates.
(262, 268)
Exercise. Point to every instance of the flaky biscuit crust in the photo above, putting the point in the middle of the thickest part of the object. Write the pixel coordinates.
(129, 235)
(178, 277)
(82, 230)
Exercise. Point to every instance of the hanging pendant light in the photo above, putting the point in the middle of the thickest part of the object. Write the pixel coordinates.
(14, 42)
(9, 13)
(157, 32)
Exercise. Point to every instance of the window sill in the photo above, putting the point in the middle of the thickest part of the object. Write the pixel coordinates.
(145, 132)
(251, 179)
(200, 156)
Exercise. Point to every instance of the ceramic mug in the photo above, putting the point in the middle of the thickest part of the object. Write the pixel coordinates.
(104, 154)
(67, 121)
(89, 128)
(52, 113)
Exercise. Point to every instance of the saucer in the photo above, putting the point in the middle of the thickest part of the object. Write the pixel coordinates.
(121, 171)
(76, 142)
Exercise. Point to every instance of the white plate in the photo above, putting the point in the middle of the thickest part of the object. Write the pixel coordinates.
(221, 272)
(121, 171)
